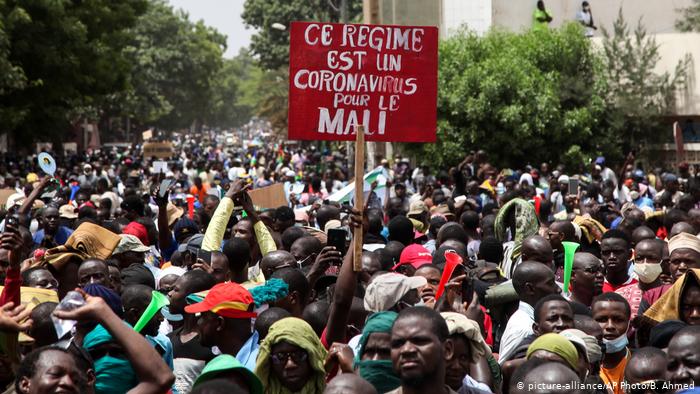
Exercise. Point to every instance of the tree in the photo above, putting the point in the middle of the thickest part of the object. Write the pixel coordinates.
(12, 79)
(236, 92)
(691, 18)
(637, 96)
(271, 46)
(522, 98)
(173, 66)
(63, 58)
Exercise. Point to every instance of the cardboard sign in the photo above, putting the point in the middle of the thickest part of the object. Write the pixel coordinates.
(161, 150)
(269, 197)
(147, 135)
(160, 166)
(346, 75)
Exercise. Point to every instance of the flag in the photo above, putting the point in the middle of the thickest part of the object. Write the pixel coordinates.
(347, 194)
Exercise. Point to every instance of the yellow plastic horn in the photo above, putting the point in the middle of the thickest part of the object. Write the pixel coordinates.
(569, 251)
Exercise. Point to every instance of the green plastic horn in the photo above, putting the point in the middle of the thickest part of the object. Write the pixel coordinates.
(158, 301)
(569, 251)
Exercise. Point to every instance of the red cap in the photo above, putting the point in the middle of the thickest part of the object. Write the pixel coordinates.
(225, 299)
(416, 255)
(138, 230)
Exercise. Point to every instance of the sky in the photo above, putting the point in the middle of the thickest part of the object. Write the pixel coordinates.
(224, 15)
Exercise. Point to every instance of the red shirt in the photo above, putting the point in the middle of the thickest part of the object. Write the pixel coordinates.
(633, 294)
(609, 287)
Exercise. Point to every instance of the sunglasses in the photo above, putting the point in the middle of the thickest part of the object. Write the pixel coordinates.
(280, 358)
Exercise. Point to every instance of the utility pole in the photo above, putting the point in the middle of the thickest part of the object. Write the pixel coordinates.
(370, 13)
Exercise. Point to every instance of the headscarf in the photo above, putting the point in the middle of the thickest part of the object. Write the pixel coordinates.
(380, 373)
(113, 375)
(526, 178)
(376, 322)
(418, 225)
(557, 344)
(457, 323)
(172, 270)
(668, 307)
(88, 240)
(110, 296)
(526, 223)
(273, 290)
(299, 333)
(590, 228)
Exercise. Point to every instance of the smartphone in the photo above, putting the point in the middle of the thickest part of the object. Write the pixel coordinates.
(467, 289)
(12, 223)
(573, 186)
(204, 255)
(336, 238)
(165, 185)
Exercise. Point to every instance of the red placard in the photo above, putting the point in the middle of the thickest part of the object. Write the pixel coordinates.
(382, 77)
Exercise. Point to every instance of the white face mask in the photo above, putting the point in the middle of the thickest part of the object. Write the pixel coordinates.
(647, 272)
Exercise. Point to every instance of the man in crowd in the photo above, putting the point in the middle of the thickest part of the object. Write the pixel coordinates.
(439, 324)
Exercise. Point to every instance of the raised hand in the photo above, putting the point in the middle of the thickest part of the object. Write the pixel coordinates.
(11, 318)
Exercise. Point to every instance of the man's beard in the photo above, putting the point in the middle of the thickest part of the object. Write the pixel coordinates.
(418, 381)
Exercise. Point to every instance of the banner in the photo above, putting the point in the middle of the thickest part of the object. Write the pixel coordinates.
(161, 150)
(344, 75)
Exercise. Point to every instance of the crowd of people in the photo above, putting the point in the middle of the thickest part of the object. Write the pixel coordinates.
(120, 277)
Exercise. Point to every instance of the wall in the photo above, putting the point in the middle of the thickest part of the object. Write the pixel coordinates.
(673, 47)
(410, 12)
(658, 16)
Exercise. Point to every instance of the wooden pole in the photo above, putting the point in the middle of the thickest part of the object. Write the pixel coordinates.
(359, 194)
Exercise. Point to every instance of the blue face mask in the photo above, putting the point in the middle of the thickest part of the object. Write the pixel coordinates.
(171, 316)
(617, 344)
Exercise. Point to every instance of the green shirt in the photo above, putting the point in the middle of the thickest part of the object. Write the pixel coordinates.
(536, 23)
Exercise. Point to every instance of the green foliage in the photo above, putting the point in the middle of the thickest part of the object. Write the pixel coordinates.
(235, 95)
(522, 98)
(637, 96)
(271, 46)
(549, 96)
(175, 65)
(60, 59)
(691, 18)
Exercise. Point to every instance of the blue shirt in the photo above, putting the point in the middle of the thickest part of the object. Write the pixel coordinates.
(60, 238)
(164, 343)
(249, 352)
(644, 202)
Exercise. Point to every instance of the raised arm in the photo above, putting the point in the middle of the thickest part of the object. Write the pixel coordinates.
(164, 238)
(155, 377)
(29, 201)
(217, 225)
(344, 290)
